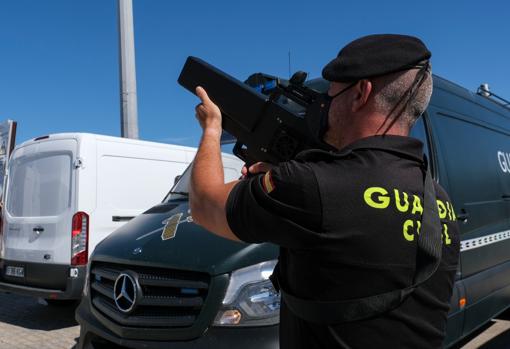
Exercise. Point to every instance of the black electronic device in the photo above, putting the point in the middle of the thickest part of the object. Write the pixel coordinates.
(272, 126)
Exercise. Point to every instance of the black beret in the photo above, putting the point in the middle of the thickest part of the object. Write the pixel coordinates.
(375, 55)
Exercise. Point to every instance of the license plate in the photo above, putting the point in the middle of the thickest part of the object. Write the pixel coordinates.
(15, 271)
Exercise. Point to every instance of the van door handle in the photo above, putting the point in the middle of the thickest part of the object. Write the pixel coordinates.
(38, 229)
(505, 196)
(463, 216)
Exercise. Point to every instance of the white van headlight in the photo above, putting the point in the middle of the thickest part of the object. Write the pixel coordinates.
(251, 299)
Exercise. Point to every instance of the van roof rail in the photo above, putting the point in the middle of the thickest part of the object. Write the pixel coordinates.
(484, 91)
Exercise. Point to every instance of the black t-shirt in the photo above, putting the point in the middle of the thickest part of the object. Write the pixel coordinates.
(347, 227)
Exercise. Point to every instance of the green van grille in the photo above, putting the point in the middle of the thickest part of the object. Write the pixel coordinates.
(169, 298)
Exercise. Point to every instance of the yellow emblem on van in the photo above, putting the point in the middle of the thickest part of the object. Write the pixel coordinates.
(171, 226)
(172, 223)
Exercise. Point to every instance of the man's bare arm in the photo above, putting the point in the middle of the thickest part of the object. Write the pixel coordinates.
(208, 191)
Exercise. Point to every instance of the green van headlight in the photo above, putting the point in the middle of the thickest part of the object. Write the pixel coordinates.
(251, 299)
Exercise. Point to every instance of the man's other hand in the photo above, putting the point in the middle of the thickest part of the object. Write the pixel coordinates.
(208, 113)
(258, 167)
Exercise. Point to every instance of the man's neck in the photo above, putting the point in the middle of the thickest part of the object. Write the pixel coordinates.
(371, 126)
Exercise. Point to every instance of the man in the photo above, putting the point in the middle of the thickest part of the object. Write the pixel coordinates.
(348, 223)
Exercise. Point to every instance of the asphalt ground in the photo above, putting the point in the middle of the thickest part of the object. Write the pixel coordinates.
(30, 323)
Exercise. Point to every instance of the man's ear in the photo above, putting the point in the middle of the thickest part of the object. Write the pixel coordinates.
(363, 90)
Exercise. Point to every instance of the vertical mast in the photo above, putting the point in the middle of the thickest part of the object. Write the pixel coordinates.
(128, 102)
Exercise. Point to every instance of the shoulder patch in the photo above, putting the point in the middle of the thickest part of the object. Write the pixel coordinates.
(268, 183)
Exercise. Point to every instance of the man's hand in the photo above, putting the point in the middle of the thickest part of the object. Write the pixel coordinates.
(208, 113)
(258, 167)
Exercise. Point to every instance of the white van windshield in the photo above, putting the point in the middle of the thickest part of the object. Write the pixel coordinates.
(39, 186)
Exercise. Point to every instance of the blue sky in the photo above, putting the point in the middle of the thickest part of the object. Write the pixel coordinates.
(59, 58)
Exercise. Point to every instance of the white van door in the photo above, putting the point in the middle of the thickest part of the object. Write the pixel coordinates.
(127, 186)
(40, 203)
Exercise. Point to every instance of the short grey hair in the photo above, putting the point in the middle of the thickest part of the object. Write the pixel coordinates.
(395, 96)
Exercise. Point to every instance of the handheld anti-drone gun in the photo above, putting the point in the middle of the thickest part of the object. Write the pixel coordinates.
(271, 119)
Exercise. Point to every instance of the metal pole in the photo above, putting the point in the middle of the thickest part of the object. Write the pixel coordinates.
(128, 103)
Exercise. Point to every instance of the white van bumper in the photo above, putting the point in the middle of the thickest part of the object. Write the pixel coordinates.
(49, 281)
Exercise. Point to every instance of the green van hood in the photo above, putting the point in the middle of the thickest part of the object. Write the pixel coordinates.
(182, 245)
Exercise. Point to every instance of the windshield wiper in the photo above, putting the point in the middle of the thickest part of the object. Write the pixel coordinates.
(183, 193)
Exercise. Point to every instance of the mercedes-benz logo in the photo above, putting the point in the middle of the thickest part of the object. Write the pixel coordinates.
(125, 292)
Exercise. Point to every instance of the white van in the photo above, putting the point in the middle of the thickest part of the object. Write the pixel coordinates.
(65, 193)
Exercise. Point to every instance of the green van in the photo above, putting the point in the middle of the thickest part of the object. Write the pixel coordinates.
(161, 281)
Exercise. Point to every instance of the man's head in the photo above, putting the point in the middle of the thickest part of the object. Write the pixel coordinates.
(386, 83)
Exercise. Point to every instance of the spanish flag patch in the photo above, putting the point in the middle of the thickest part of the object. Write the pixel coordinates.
(267, 182)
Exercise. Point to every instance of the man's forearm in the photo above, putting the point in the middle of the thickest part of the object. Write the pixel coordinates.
(208, 191)
(207, 171)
